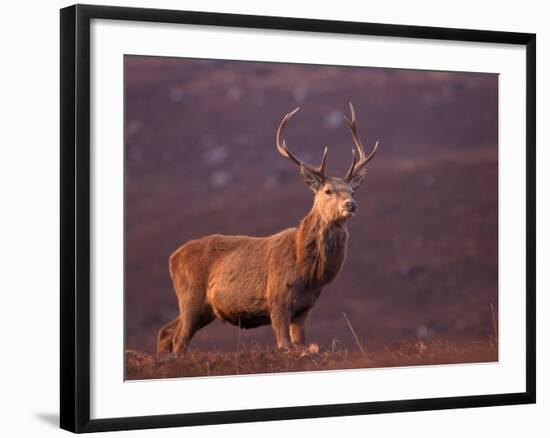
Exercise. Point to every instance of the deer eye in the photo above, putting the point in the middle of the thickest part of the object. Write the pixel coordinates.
(328, 192)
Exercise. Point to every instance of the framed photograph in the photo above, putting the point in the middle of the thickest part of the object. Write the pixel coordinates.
(268, 218)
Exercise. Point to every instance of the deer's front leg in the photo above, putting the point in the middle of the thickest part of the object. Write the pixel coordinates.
(280, 320)
(298, 329)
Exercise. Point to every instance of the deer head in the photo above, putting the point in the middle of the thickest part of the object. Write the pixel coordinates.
(333, 195)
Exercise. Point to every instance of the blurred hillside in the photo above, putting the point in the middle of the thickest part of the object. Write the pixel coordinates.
(201, 159)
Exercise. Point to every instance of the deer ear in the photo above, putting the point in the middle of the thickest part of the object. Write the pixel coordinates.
(312, 179)
(357, 179)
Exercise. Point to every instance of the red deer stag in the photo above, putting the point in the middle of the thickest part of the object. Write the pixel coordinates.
(254, 281)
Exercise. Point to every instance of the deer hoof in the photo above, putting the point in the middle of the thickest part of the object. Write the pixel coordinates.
(312, 348)
(285, 348)
(309, 350)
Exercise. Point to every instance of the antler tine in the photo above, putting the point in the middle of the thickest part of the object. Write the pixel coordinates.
(363, 158)
(321, 168)
(367, 159)
(281, 145)
(353, 128)
(284, 151)
(349, 173)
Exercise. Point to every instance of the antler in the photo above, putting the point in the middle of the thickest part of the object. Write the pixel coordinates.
(283, 150)
(363, 159)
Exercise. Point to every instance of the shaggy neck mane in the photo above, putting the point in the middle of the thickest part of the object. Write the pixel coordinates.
(320, 249)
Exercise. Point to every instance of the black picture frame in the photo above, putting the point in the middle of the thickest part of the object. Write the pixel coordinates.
(75, 217)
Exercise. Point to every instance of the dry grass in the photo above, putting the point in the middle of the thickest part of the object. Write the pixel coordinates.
(255, 359)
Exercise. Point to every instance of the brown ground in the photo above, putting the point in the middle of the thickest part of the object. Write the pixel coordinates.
(256, 359)
(422, 259)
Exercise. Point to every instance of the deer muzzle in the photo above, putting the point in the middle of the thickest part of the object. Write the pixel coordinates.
(349, 208)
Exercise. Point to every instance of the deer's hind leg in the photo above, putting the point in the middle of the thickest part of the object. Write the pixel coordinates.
(195, 314)
(165, 336)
